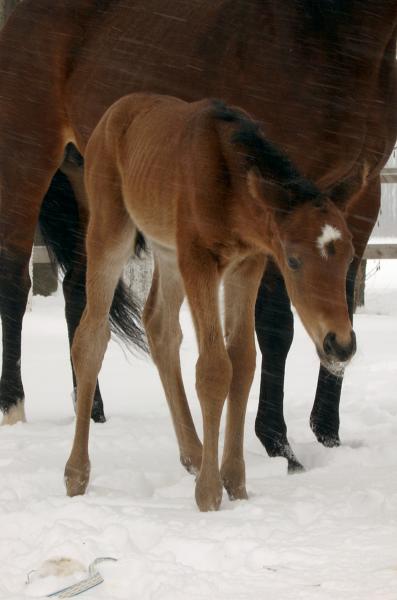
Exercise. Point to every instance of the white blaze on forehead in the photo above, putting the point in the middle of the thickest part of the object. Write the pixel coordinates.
(328, 234)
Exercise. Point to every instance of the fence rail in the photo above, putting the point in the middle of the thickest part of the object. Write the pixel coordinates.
(377, 251)
(389, 175)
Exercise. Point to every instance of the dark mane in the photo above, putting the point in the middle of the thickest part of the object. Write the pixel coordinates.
(262, 154)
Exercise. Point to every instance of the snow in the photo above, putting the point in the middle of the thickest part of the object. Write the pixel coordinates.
(329, 533)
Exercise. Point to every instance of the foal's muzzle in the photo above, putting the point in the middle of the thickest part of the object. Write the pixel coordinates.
(339, 353)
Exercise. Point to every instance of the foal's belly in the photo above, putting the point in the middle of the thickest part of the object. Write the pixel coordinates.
(154, 215)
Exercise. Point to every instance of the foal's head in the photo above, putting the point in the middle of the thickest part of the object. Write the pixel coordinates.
(307, 236)
(313, 249)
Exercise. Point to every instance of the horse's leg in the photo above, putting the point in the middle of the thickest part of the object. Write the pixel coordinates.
(109, 241)
(75, 299)
(274, 328)
(74, 280)
(240, 291)
(14, 290)
(161, 319)
(23, 185)
(361, 218)
(213, 369)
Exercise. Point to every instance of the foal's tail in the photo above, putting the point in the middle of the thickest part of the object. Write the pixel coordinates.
(64, 233)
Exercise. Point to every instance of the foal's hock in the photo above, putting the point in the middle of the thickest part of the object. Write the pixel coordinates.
(215, 198)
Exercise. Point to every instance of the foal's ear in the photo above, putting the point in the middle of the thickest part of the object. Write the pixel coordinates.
(268, 192)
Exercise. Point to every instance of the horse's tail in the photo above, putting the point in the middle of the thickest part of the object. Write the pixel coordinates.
(63, 234)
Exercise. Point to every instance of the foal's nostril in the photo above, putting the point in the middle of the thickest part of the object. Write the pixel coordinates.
(353, 343)
(333, 349)
(329, 343)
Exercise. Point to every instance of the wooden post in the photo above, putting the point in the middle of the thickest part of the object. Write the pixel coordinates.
(45, 274)
(359, 289)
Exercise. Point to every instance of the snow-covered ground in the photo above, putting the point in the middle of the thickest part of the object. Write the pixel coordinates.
(330, 533)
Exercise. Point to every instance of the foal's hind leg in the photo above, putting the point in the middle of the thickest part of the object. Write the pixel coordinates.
(241, 287)
(23, 184)
(161, 319)
(109, 241)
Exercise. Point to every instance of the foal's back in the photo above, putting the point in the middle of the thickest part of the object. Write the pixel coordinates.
(163, 153)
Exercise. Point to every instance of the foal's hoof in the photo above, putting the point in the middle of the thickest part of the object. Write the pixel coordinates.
(233, 477)
(208, 497)
(76, 479)
(191, 463)
(235, 491)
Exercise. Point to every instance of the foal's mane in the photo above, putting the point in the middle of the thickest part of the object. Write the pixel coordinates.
(258, 152)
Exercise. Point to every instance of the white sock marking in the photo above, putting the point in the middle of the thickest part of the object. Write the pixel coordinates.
(16, 414)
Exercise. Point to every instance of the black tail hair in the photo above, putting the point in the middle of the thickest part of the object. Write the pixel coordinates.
(262, 154)
(63, 234)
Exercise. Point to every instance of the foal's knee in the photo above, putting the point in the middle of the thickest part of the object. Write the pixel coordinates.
(243, 359)
(213, 375)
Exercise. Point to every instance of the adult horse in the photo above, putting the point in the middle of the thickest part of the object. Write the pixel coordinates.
(320, 76)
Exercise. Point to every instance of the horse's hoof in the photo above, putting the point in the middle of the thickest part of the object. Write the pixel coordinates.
(233, 477)
(235, 492)
(15, 414)
(327, 437)
(294, 467)
(76, 480)
(279, 446)
(208, 497)
(98, 416)
(328, 440)
(191, 463)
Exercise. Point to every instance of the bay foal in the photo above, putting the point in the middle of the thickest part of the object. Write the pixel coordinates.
(214, 198)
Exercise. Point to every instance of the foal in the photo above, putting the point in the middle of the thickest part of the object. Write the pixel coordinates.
(214, 198)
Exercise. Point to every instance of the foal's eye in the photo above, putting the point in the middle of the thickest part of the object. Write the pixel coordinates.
(293, 263)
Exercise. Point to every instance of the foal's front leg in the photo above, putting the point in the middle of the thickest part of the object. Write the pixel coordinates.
(213, 369)
(241, 288)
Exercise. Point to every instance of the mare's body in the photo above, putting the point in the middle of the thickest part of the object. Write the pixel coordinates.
(320, 76)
